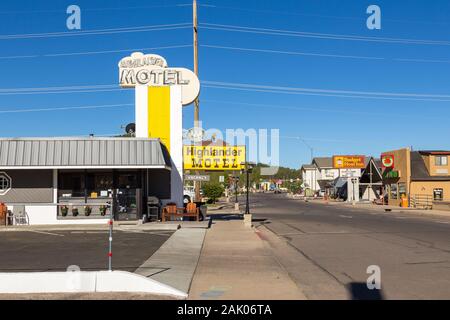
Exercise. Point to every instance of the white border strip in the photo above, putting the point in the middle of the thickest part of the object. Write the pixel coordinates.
(88, 167)
(83, 281)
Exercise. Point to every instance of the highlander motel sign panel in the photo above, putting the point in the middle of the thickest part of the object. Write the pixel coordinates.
(217, 158)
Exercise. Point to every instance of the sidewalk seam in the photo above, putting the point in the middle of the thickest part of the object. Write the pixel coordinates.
(198, 260)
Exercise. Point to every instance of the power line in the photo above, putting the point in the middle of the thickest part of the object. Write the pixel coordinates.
(324, 91)
(320, 94)
(67, 108)
(313, 54)
(292, 52)
(99, 9)
(245, 87)
(60, 92)
(115, 51)
(96, 86)
(337, 109)
(313, 139)
(281, 32)
(94, 52)
(275, 12)
(322, 54)
(97, 31)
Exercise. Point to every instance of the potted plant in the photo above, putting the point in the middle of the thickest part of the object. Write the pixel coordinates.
(102, 210)
(64, 211)
(75, 211)
(87, 211)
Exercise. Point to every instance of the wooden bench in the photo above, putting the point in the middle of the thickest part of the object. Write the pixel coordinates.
(173, 211)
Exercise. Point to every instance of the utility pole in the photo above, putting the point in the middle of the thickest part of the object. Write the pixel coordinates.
(196, 102)
(195, 27)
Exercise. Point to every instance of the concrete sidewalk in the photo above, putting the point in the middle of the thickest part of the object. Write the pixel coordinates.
(235, 263)
(175, 262)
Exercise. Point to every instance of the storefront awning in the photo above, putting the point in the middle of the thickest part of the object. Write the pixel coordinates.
(82, 153)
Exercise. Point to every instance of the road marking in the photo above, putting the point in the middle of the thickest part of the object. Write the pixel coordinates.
(344, 216)
(50, 233)
(78, 232)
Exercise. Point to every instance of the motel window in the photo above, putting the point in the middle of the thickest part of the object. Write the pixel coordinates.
(440, 160)
(438, 194)
(5, 183)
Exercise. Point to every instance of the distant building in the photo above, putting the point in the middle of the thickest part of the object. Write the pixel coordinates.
(309, 177)
(326, 173)
(371, 181)
(422, 176)
(320, 175)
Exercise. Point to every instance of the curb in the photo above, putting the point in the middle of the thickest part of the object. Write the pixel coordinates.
(84, 282)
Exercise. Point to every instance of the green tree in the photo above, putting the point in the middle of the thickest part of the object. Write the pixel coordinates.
(213, 191)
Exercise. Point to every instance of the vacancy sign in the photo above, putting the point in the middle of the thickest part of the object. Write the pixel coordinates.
(387, 160)
(348, 162)
(218, 158)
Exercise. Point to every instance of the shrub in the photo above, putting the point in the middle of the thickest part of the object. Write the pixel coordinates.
(213, 191)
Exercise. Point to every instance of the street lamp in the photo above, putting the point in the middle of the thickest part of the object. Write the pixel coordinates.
(236, 201)
(248, 168)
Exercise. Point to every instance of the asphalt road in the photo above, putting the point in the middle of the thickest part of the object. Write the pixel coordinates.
(56, 250)
(327, 249)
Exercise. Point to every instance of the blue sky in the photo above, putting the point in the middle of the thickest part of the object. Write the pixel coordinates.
(341, 123)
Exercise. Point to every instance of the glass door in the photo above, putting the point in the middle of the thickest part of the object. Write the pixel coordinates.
(126, 205)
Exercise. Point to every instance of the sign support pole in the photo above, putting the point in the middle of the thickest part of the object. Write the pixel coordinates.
(196, 102)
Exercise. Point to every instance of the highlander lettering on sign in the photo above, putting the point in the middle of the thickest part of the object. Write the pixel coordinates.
(213, 158)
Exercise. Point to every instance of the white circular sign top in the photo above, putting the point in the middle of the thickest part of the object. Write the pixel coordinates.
(152, 70)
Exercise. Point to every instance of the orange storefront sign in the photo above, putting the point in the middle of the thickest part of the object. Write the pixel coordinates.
(349, 162)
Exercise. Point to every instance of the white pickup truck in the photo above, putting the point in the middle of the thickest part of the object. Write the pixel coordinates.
(188, 194)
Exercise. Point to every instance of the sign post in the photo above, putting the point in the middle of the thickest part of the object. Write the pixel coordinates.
(160, 94)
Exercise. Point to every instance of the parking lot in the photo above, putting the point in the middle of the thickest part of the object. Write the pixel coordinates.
(22, 251)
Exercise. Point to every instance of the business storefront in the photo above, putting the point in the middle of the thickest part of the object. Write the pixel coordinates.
(422, 177)
(82, 180)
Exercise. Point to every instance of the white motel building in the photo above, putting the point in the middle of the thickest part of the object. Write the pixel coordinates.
(84, 180)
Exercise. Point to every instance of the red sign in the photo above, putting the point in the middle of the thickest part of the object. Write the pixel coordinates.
(387, 160)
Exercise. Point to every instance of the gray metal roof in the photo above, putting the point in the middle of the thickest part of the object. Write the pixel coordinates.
(22, 153)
